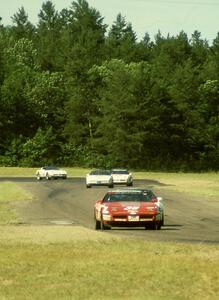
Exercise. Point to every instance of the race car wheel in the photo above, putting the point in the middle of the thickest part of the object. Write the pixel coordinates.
(111, 186)
(103, 226)
(38, 176)
(153, 226)
(47, 177)
(88, 186)
(149, 226)
(159, 225)
(130, 184)
(97, 225)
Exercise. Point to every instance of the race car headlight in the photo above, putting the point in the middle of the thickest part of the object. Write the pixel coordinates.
(105, 213)
(153, 209)
(150, 208)
(105, 210)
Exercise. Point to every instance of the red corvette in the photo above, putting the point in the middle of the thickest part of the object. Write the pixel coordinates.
(128, 207)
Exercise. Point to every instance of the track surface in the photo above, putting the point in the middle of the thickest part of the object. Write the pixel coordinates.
(69, 202)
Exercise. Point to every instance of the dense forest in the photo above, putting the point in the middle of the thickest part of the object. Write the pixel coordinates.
(76, 92)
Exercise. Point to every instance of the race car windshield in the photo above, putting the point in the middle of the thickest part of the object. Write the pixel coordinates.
(100, 172)
(129, 197)
(120, 172)
(51, 168)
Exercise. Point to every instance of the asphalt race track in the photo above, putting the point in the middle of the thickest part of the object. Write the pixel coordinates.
(69, 202)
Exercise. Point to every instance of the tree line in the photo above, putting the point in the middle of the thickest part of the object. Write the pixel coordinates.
(74, 91)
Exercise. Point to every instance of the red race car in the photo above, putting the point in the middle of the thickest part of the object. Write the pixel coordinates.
(128, 207)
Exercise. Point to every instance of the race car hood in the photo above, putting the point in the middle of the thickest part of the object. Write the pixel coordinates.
(99, 177)
(57, 171)
(131, 207)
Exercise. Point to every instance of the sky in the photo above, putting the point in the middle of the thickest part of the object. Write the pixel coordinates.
(168, 16)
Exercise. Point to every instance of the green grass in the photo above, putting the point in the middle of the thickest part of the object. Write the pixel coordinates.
(9, 194)
(17, 172)
(197, 184)
(111, 269)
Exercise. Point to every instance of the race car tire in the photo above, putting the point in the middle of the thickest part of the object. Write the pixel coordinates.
(97, 225)
(153, 226)
(103, 226)
(130, 184)
(159, 225)
(111, 186)
(88, 186)
(38, 176)
(47, 177)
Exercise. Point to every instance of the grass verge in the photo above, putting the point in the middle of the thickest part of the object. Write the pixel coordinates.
(108, 269)
(10, 193)
(197, 184)
(31, 172)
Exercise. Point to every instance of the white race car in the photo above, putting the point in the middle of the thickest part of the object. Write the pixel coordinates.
(99, 177)
(50, 172)
(122, 176)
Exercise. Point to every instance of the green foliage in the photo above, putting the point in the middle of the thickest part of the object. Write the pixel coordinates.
(22, 56)
(10, 156)
(85, 39)
(119, 133)
(121, 40)
(20, 69)
(22, 27)
(38, 149)
(72, 94)
(48, 37)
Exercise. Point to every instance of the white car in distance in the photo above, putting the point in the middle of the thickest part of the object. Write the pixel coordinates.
(122, 176)
(50, 172)
(99, 177)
